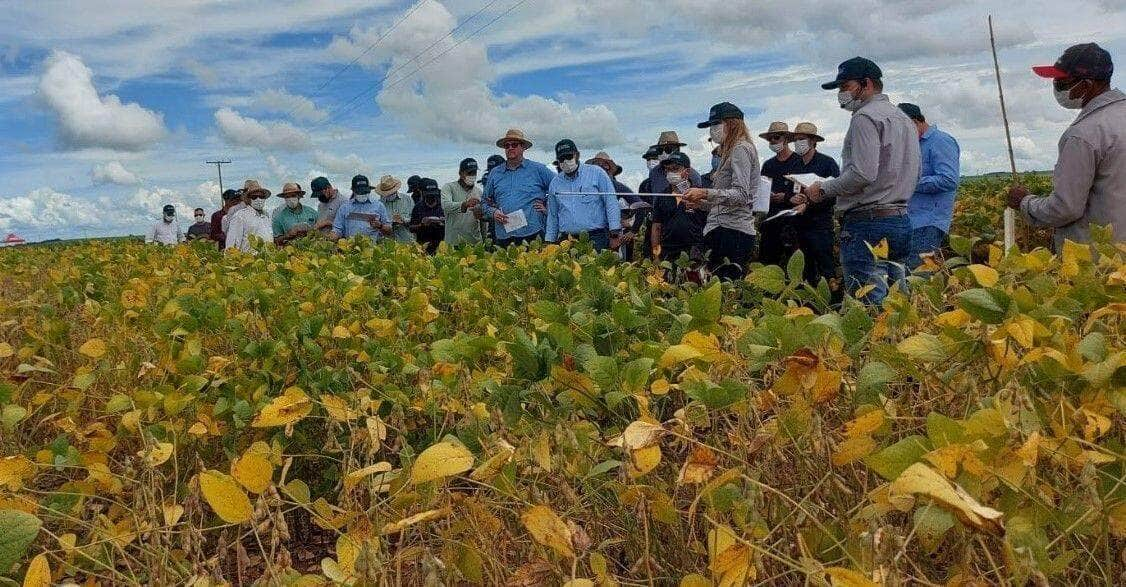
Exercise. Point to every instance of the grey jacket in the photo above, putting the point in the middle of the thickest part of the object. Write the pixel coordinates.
(1090, 175)
(733, 190)
(880, 159)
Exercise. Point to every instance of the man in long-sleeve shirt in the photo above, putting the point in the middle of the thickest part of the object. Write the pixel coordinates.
(814, 225)
(932, 205)
(218, 234)
(881, 168)
(461, 203)
(167, 231)
(1090, 176)
(598, 214)
(518, 185)
(667, 144)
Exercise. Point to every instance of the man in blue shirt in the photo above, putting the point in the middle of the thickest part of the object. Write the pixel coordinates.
(597, 214)
(932, 205)
(361, 214)
(520, 185)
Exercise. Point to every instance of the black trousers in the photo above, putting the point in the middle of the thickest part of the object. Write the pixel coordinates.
(816, 244)
(729, 251)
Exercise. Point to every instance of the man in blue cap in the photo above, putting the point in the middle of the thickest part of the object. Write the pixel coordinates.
(597, 215)
(1089, 182)
(362, 214)
(932, 206)
(880, 168)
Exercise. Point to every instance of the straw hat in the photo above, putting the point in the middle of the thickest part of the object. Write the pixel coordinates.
(514, 134)
(776, 128)
(252, 189)
(387, 185)
(669, 138)
(604, 156)
(291, 190)
(809, 129)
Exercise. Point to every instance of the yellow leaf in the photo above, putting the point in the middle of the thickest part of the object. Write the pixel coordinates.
(541, 451)
(158, 454)
(340, 331)
(985, 275)
(338, 408)
(923, 480)
(956, 318)
(1023, 330)
(352, 479)
(696, 580)
(38, 572)
(638, 434)
(426, 516)
(842, 577)
(924, 347)
(865, 424)
(699, 467)
(729, 559)
(6, 350)
(493, 465)
(863, 291)
(93, 348)
(1072, 254)
(677, 354)
(14, 470)
(853, 449)
(706, 344)
(548, 529)
(660, 387)
(644, 460)
(444, 459)
(253, 471)
(225, 497)
(172, 513)
(290, 407)
(880, 249)
(347, 551)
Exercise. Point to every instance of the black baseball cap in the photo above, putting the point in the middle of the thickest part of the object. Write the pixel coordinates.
(493, 161)
(1085, 61)
(428, 186)
(169, 209)
(721, 112)
(231, 195)
(319, 185)
(565, 149)
(651, 153)
(677, 158)
(854, 69)
(912, 111)
(412, 183)
(467, 165)
(360, 185)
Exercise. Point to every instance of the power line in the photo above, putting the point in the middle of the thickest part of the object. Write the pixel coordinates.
(219, 164)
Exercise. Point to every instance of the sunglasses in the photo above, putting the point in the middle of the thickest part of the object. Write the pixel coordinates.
(668, 149)
(512, 145)
(1065, 84)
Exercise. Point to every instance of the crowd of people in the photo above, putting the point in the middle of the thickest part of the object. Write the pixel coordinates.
(894, 188)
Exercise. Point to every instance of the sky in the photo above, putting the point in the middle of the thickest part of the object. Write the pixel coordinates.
(110, 108)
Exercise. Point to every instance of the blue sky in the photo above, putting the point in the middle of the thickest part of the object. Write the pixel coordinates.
(108, 109)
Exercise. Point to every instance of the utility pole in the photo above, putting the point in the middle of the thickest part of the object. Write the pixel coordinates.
(219, 164)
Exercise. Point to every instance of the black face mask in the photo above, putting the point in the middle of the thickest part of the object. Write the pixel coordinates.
(323, 197)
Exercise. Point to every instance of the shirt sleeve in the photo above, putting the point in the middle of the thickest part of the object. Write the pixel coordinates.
(863, 165)
(339, 219)
(449, 206)
(946, 154)
(384, 215)
(744, 179)
(551, 225)
(609, 202)
(179, 234)
(488, 195)
(1073, 177)
(234, 234)
(276, 225)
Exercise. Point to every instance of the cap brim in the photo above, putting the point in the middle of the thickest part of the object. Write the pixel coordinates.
(706, 124)
(290, 194)
(527, 143)
(832, 85)
(1050, 72)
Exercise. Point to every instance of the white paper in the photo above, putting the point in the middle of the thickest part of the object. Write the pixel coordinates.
(516, 221)
(804, 179)
(782, 214)
(761, 200)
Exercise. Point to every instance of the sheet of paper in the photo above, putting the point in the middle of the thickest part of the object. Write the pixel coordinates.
(362, 216)
(805, 179)
(516, 221)
(782, 214)
(761, 200)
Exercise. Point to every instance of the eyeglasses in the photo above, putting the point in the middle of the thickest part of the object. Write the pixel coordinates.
(1065, 84)
(511, 145)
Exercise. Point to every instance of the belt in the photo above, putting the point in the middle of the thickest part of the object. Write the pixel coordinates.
(874, 213)
(576, 235)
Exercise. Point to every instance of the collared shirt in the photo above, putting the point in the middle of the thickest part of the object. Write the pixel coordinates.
(932, 204)
(817, 214)
(246, 223)
(226, 222)
(1090, 176)
(568, 214)
(428, 234)
(327, 210)
(880, 159)
(510, 190)
(217, 233)
(165, 233)
(358, 223)
(285, 219)
(659, 181)
(461, 227)
(734, 185)
(199, 230)
(397, 204)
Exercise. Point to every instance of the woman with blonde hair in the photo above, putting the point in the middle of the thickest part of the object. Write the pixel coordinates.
(730, 232)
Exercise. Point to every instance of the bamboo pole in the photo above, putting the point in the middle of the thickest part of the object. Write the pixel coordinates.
(1009, 214)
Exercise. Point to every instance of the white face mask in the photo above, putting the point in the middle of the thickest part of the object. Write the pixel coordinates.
(673, 178)
(258, 204)
(776, 147)
(848, 101)
(362, 198)
(469, 179)
(569, 165)
(801, 146)
(717, 132)
(292, 203)
(652, 164)
(1064, 99)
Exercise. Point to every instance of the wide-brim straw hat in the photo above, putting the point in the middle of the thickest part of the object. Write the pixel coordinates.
(775, 129)
(669, 138)
(291, 190)
(387, 185)
(253, 189)
(604, 156)
(809, 129)
(514, 134)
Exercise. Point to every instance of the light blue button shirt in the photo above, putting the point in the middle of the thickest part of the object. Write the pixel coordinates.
(932, 204)
(568, 214)
(349, 227)
(510, 190)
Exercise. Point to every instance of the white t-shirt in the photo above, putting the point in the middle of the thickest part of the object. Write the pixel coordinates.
(246, 222)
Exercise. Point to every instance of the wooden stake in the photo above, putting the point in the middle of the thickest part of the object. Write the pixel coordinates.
(1010, 214)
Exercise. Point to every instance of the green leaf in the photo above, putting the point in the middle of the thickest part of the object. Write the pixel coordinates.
(989, 306)
(11, 415)
(635, 375)
(943, 430)
(17, 531)
(604, 372)
(873, 378)
(1093, 347)
(716, 396)
(705, 305)
(795, 266)
(603, 467)
(526, 362)
(893, 460)
(962, 245)
(769, 278)
(923, 347)
(931, 524)
(6, 392)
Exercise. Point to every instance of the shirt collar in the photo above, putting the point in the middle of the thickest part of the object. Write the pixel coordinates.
(1111, 95)
(930, 131)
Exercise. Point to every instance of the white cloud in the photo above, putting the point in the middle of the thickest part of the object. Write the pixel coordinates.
(283, 102)
(249, 132)
(45, 208)
(350, 163)
(89, 120)
(204, 73)
(113, 172)
(278, 170)
(445, 93)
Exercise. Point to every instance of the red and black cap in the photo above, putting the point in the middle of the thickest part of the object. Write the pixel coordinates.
(1085, 61)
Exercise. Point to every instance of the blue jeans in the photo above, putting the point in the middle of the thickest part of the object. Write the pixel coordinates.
(925, 239)
(861, 268)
